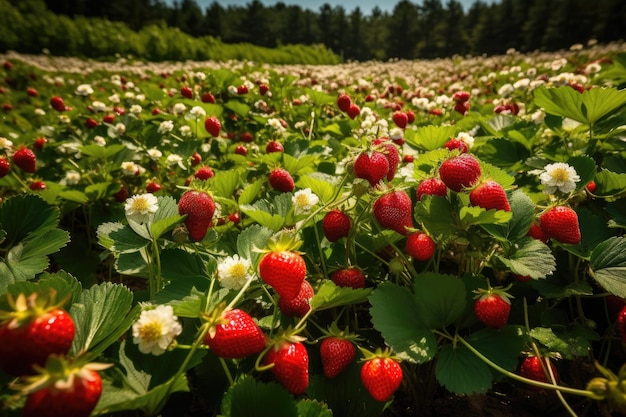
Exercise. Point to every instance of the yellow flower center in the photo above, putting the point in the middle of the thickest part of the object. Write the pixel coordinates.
(560, 174)
(238, 271)
(141, 205)
(302, 200)
(150, 331)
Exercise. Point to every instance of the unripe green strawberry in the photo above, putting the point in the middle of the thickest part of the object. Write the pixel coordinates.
(336, 224)
(561, 224)
(492, 308)
(300, 305)
(281, 180)
(394, 210)
(351, 277)
(291, 365)
(371, 166)
(284, 271)
(489, 195)
(25, 159)
(381, 377)
(235, 336)
(199, 208)
(420, 246)
(336, 354)
(461, 171)
(531, 368)
(431, 186)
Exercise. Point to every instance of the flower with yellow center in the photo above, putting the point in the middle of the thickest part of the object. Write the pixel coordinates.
(559, 176)
(141, 207)
(233, 272)
(304, 200)
(156, 329)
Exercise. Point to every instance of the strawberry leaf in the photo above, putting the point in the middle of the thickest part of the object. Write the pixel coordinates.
(329, 295)
(320, 184)
(250, 192)
(570, 341)
(503, 347)
(311, 408)
(250, 240)
(429, 137)
(165, 218)
(479, 216)
(250, 398)
(529, 257)
(462, 372)
(64, 284)
(435, 214)
(224, 183)
(587, 108)
(608, 265)
(440, 299)
(522, 214)
(124, 239)
(261, 212)
(609, 183)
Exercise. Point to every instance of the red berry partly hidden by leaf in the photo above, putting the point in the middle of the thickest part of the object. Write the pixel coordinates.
(25, 159)
(213, 125)
(462, 107)
(420, 246)
(336, 354)
(591, 186)
(235, 336)
(207, 98)
(461, 171)
(431, 186)
(344, 102)
(195, 159)
(371, 166)
(199, 208)
(354, 111)
(489, 195)
(536, 232)
(394, 210)
(381, 377)
(5, 166)
(455, 143)
(621, 323)
(492, 309)
(281, 180)
(284, 271)
(351, 277)
(561, 224)
(300, 305)
(291, 365)
(336, 224)
(461, 96)
(532, 368)
(39, 143)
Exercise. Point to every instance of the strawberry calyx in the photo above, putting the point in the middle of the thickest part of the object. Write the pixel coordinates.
(25, 309)
(482, 293)
(334, 331)
(284, 241)
(379, 353)
(287, 336)
(214, 318)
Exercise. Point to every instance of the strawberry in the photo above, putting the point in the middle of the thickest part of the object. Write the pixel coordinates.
(242, 89)
(455, 143)
(492, 307)
(461, 96)
(246, 137)
(25, 159)
(196, 158)
(462, 107)
(299, 306)
(281, 180)
(621, 323)
(37, 185)
(410, 116)
(110, 118)
(372, 166)
(263, 89)
(39, 143)
(381, 376)
(420, 246)
(489, 195)
(213, 125)
(460, 171)
(431, 186)
(68, 392)
(274, 146)
(57, 103)
(121, 195)
(207, 98)
(199, 208)
(591, 187)
(344, 102)
(354, 111)
(91, 123)
(241, 150)
(5, 166)
(532, 368)
(536, 232)
(203, 173)
(561, 224)
(387, 148)
(350, 277)
(336, 224)
(32, 92)
(284, 270)
(401, 119)
(394, 211)
(291, 365)
(235, 335)
(336, 354)
(186, 92)
(35, 329)
(153, 187)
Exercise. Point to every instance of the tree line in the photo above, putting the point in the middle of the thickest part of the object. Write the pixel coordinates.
(426, 29)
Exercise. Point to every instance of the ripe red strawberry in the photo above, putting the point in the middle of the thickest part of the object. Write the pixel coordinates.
(213, 125)
(241, 150)
(235, 335)
(336, 354)
(460, 171)
(350, 277)
(153, 187)
(492, 307)
(461, 96)
(207, 98)
(372, 166)
(110, 118)
(203, 173)
(121, 195)
(32, 92)
(5, 166)
(263, 89)
(25, 159)
(591, 186)
(354, 111)
(420, 246)
(532, 368)
(196, 158)
(394, 211)
(410, 116)
(344, 102)
(30, 333)
(91, 123)
(281, 180)
(199, 208)
(387, 148)
(401, 119)
(284, 271)
(75, 394)
(37, 185)
(186, 92)
(242, 89)
(57, 103)
(489, 195)
(291, 365)
(561, 224)
(336, 224)
(536, 232)
(39, 143)
(621, 323)
(462, 107)
(431, 186)
(455, 143)
(274, 146)
(300, 305)
(381, 377)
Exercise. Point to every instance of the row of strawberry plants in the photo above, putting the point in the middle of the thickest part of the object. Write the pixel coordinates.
(270, 223)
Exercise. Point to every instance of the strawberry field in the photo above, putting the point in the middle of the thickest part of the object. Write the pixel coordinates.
(372, 239)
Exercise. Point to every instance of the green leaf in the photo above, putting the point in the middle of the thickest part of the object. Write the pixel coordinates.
(260, 214)
(609, 183)
(125, 240)
(165, 218)
(74, 196)
(180, 265)
(522, 215)
(239, 107)
(64, 284)
(329, 295)
(396, 316)
(224, 183)
(529, 257)
(502, 152)
(503, 347)
(440, 299)
(251, 240)
(585, 168)
(101, 152)
(474, 215)
(429, 137)
(311, 408)
(251, 398)
(320, 184)
(22, 214)
(462, 372)
(570, 341)
(435, 213)
(588, 107)
(301, 163)
(608, 265)
(250, 192)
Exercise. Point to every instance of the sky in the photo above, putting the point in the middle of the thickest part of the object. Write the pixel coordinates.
(349, 5)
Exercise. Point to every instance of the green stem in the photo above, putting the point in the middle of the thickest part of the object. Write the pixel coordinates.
(158, 282)
(229, 376)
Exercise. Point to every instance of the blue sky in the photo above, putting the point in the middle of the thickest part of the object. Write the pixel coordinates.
(349, 5)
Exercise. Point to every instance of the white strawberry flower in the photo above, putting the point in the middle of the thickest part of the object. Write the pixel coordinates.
(165, 126)
(304, 200)
(135, 109)
(71, 178)
(185, 131)
(178, 109)
(558, 176)
(83, 90)
(140, 208)
(196, 113)
(154, 154)
(174, 159)
(5, 143)
(233, 272)
(156, 329)
(129, 168)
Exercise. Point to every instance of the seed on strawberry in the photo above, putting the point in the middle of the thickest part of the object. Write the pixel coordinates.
(199, 208)
(561, 224)
(5, 166)
(532, 368)
(299, 306)
(420, 246)
(291, 365)
(336, 353)
(284, 271)
(371, 166)
(281, 180)
(394, 210)
(461, 171)
(235, 335)
(492, 307)
(344, 102)
(336, 224)
(381, 377)
(25, 159)
(213, 126)
(351, 277)
(431, 186)
(489, 195)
